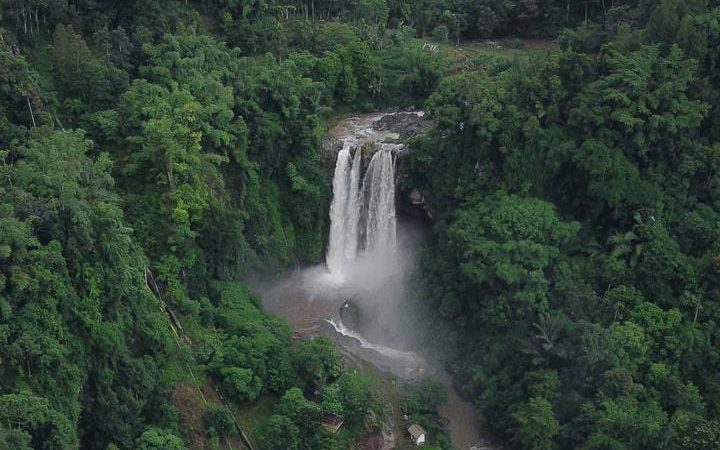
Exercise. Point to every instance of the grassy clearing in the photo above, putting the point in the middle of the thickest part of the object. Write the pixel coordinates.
(471, 55)
(176, 371)
(190, 406)
(254, 417)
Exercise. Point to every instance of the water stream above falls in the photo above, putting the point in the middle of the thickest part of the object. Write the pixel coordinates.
(369, 262)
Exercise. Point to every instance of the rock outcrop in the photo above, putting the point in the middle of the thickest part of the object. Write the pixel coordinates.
(369, 133)
(406, 124)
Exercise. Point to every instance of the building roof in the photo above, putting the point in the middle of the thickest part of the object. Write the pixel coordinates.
(332, 422)
(416, 431)
(332, 419)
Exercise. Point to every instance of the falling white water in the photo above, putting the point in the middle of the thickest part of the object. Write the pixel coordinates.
(338, 211)
(379, 189)
(372, 207)
(362, 216)
(352, 217)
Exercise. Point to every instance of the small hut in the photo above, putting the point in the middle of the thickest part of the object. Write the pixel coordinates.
(418, 435)
(333, 422)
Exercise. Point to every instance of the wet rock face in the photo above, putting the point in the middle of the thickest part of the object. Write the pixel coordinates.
(407, 125)
(377, 128)
(331, 146)
(416, 197)
(351, 315)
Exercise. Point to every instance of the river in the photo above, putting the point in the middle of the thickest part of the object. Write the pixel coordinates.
(368, 265)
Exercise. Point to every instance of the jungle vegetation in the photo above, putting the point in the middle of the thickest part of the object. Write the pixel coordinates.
(576, 235)
(153, 154)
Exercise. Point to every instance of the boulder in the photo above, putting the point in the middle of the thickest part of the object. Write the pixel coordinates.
(406, 124)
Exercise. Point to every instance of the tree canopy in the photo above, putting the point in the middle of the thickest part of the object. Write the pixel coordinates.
(156, 155)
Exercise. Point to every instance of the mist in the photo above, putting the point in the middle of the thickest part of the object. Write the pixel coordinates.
(381, 289)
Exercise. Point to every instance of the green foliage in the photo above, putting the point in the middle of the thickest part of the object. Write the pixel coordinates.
(14, 439)
(281, 433)
(296, 422)
(242, 383)
(150, 160)
(427, 395)
(253, 353)
(410, 73)
(691, 431)
(80, 75)
(421, 402)
(303, 413)
(504, 246)
(33, 415)
(536, 425)
(358, 396)
(157, 439)
(317, 361)
(72, 269)
(153, 154)
(563, 192)
(219, 421)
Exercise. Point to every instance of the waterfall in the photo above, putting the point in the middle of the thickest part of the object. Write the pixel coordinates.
(352, 218)
(338, 211)
(362, 218)
(379, 188)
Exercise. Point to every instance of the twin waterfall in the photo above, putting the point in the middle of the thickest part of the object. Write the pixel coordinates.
(362, 216)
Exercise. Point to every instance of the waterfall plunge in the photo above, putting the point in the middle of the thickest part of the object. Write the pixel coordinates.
(352, 218)
(379, 189)
(339, 212)
(362, 221)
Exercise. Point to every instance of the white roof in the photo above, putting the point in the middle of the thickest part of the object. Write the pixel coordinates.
(416, 431)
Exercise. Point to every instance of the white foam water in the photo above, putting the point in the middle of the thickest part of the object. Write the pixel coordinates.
(336, 254)
(394, 354)
(362, 220)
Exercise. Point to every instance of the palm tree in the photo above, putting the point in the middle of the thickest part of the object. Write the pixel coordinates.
(626, 246)
(543, 344)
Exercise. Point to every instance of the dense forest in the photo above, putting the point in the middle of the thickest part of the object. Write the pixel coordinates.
(155, 154)
(576, 244)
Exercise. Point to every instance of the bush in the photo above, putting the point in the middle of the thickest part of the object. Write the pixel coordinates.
(281, 434)
(242, 383)
(425, 396)
(159, 439)
(219, 421)
(441, 33)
